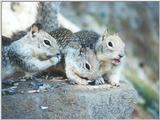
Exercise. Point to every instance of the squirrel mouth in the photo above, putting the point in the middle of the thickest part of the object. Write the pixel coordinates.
(82, 76)
(116, 61)
(43, 58)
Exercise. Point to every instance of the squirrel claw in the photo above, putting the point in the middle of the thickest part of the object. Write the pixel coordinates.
(72, 82)
(115, 84)
(99, 81)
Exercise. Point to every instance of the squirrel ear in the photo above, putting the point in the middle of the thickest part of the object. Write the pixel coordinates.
(105, 34)
(82, 49)
(36, 27)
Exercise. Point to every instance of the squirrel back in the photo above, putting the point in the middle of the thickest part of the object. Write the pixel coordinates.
(65, 38)
(62, 35)
(87, 38)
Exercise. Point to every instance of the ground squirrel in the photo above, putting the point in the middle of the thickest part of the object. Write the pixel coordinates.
(81, 64)
(34, 52)
(109, 49)
(82, 67)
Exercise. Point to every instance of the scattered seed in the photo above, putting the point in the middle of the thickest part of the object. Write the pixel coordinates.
(14, 87)
(8, 82)
(44, 107)
(44, 87)
(21, 92)
(16, 84)
(33, 91)
(9, 91)
(35, 85)
(22, 80)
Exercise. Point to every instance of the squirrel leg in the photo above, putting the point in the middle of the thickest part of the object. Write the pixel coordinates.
(112, 78)
(99, 81)
(35, 64)
(74, 79)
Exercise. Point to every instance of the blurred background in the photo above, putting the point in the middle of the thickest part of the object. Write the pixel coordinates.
(137, 24)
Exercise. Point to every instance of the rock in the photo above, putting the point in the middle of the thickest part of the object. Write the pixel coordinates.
(9, 91)
(22, 80)
(72, 102)
(36, 85)
(45, 87)
(16, 84)
(57, 85)
(8, 82)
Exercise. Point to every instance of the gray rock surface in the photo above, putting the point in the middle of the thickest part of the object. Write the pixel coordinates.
(71, 102)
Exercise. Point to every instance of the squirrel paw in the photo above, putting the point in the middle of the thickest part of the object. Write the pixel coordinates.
(114, 80)
(115, 83)
(99, 81)
(55, 60)
(74, 82)
(84, 82)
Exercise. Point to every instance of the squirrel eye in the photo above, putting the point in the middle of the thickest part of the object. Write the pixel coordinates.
(47, 42)
(110, 44)
(87, 66)
(91, 46)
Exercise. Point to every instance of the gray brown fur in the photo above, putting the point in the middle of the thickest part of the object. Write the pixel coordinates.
(81, 65)
(62, 35)
(87, 38)
(30, 53)
(65, 38)
(6, 41)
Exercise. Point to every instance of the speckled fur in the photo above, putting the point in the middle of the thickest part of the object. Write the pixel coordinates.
(65, 39)
(75, 58)
(87, 38)
(30, 54)
(82, 67)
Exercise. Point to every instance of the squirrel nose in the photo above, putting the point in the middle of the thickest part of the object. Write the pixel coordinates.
(120, 55)
(58, 54)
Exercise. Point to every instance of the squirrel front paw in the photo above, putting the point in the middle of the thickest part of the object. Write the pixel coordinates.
(55, 60)
(115, 82)
(99, 81)
(75, 82)
(72, 82)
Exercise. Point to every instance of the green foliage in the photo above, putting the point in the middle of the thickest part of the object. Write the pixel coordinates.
(144, 89)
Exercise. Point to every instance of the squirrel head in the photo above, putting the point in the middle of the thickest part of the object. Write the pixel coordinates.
(44, 45)
(110, 47)
(85, 63)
